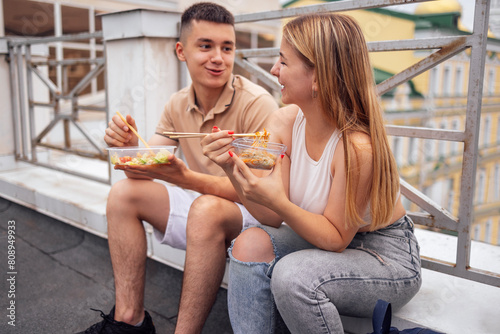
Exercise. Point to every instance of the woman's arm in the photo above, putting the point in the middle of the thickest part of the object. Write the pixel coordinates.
(329, 230)
(217, 148)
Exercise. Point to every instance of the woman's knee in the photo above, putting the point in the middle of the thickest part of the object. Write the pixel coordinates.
(290, 277)
(253, 245)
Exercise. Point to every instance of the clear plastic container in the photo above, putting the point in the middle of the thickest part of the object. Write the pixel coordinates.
(258, 157)
(140, 156)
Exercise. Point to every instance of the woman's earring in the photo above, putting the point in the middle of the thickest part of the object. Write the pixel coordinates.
(314, 94)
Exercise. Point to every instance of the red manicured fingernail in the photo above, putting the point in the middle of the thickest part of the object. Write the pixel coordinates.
(230, 153)
(215, 127)
(282, 156)
(231, 132)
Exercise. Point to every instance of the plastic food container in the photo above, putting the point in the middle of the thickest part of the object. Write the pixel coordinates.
(258, 157)
(140, 156)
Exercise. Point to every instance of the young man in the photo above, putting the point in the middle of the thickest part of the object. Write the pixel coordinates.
(216, 98)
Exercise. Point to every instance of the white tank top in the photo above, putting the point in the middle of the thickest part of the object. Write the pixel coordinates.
(310, 181)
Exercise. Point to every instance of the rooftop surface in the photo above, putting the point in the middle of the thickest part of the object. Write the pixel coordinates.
(62, 271)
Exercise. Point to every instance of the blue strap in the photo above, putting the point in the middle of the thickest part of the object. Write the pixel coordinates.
(381, 319)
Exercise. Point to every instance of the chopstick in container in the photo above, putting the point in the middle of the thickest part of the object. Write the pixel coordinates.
(135, 132)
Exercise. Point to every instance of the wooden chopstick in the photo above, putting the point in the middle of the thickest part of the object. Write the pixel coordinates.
(199, 135)
(135, 132)
(174, 135)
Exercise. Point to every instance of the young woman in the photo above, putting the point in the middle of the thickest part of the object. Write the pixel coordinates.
(335, 236)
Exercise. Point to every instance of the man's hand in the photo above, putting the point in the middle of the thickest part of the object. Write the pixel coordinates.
(118, 134)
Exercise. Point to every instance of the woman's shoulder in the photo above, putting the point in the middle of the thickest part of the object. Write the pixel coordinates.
(283, 118)
(361, 147)
(360, 140)
(281, 124)
(286, 113)
(358, 137)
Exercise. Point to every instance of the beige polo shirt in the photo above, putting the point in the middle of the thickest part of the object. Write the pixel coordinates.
(243, 107)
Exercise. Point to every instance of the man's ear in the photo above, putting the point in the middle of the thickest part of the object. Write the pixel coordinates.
(179, 50)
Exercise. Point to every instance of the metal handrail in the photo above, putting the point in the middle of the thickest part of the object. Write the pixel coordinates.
(23, 103)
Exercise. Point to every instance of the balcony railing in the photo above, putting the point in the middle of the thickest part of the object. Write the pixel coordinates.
(23, 71)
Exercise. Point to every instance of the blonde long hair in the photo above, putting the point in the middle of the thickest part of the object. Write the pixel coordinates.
(333, 45)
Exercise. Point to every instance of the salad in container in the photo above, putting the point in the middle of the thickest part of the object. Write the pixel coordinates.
(258, 155)
(140, 156)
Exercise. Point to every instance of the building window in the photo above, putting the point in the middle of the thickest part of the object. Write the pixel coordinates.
(481, 186)
(496, 182)
(438, 192)
(459, 81)
(498, 234)
(434, 82)
(442, 143)
(498, 130)
(447, 81)
(454, 145)
(429, 144)
(398, 152)
(491, 82)
(487, 232)
(413, 151)
(477, 232)
(451, 195)
(429, 149)
(486, 131)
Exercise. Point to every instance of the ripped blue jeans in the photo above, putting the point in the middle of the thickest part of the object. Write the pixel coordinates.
(311, 288)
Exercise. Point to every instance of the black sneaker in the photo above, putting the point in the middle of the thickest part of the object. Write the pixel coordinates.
(110, 326)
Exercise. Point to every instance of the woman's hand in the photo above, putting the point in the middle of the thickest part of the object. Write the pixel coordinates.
(266, 190)
(216, 145)
(118, 134)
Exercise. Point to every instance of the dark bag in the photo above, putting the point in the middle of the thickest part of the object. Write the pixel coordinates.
(381, 321)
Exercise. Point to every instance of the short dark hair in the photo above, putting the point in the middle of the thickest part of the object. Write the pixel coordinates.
(205, 11)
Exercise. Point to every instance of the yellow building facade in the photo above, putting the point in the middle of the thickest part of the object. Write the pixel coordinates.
(437, 98)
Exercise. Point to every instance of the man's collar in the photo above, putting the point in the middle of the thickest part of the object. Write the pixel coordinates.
(225, 100)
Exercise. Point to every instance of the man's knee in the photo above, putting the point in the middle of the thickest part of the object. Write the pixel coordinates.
(124, 199)
(212, 212)
(121, 192)
(253, 245)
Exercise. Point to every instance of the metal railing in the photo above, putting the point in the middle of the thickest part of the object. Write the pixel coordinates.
(436, 216)
(22, 72)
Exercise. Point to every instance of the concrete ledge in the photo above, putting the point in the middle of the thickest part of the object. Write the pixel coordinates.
(138, 23)
(444, 303)
(71, 199)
